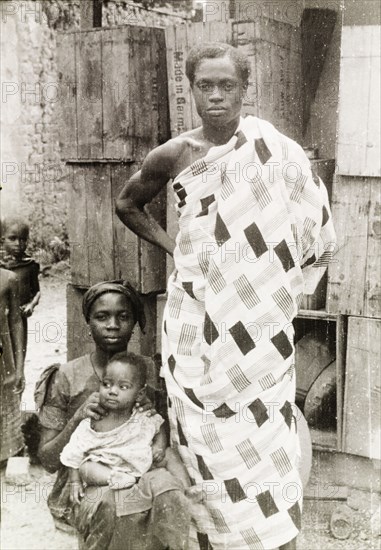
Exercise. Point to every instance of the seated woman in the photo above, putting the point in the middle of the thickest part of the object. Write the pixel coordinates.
(69, 394)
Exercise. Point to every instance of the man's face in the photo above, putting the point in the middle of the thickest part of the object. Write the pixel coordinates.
(218, 91)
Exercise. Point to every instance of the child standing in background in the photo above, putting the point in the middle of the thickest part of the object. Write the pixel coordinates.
(14, 236)
(12, 379)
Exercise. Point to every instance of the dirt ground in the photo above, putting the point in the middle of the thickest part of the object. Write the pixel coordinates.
(26, 522)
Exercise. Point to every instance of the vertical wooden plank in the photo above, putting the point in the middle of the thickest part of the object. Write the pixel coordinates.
(373, 143)
(359, 140)
(160, 305)
(284, 107)
(317, 27)
(67, 105)
(347, 271)
(179, 90)
(152, 263)
(77, 227)
(99, 223)
(274, 53)
(117, 106)
(372, 307)
(153, 260)
(89, 95)
(355, 274)
(79, 342)
(148, 339)
(323, 116)
(172, 59)
(243, 34)
(362, 388)
(126, 246)
(152, 60)
(341, 347)
(141, 100)
(159, 47)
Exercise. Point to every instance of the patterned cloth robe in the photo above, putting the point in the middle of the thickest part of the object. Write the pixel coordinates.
(255, 233)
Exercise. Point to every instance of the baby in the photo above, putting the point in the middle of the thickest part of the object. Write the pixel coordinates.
(120, 447)
(14, 236)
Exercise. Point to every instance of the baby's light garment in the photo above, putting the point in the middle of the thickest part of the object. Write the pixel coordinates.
(127, 447)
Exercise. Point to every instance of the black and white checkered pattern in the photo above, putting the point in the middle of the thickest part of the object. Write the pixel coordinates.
(247, 249)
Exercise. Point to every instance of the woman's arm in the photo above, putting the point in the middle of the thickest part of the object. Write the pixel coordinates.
(157, 169)
(53, 441)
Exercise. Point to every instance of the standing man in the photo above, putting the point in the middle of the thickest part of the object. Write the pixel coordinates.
(255, 233)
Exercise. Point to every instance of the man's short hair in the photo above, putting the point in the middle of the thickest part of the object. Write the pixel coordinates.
(213, 50)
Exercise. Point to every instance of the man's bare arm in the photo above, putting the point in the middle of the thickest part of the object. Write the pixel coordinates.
(157, 169)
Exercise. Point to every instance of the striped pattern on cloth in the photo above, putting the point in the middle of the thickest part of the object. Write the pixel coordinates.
(255, 233)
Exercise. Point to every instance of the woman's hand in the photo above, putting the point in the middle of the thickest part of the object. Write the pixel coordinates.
(91, 408)
(145, 405)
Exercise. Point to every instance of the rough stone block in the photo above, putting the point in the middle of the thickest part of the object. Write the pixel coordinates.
(17, 471)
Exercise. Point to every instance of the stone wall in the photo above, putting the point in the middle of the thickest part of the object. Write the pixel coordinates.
(34, 180)
(146, 14)
(33, 176)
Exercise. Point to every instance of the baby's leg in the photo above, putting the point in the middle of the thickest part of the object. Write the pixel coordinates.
(121, 480)
(95, 473)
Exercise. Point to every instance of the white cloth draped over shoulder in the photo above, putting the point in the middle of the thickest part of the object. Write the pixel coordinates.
(255, 233)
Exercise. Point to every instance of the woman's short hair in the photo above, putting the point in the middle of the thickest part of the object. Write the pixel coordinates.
(213, 50)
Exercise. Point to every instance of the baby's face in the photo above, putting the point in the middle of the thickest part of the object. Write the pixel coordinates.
(15, 241)
(120, 386)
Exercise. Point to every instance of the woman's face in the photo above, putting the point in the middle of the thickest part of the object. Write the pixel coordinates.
(218, 91)
(111, 322)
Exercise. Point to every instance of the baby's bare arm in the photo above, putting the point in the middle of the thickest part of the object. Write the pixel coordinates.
(76, 487)
(159, 444)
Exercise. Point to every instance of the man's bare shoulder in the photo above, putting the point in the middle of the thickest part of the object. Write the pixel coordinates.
(166, 157)
(174, 147)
